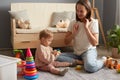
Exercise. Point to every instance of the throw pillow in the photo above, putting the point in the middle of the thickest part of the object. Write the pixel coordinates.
(22, 19)
(58, 16)
(19, 15)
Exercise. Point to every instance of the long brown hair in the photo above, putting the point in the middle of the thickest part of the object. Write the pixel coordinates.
(87, 5)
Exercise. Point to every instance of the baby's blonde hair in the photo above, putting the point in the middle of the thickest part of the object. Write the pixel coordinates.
(45, 34)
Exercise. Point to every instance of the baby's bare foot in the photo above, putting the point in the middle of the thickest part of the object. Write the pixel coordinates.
(62, 73)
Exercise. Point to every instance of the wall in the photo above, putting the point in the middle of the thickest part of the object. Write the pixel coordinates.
(99, 6)
(109, 14)
(107, 9)
(5, 17)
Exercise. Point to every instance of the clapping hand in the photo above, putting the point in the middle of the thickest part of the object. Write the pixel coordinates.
(75, 28)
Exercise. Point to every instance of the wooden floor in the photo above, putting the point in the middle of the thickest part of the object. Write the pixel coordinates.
(72, 74)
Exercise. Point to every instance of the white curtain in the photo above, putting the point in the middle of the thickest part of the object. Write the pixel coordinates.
(117, 16)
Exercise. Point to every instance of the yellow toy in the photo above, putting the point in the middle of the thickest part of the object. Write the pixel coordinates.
(78, 67)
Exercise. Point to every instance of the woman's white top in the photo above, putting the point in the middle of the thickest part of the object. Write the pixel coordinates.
(81, 42)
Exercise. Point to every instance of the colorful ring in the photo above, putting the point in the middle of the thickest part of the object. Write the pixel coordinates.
(31, 77)
(29, 57)
(30, 69)
(30, 60)
(30, 64)
(30, 72)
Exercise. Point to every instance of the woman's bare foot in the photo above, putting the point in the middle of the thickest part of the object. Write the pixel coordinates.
(79, 62)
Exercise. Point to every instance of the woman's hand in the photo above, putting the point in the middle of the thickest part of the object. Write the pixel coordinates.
(93, 37)
(71, 35)
(87, 22)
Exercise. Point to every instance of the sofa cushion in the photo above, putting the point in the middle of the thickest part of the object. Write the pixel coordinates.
(37, 30)
(57, 29)
(22, 31)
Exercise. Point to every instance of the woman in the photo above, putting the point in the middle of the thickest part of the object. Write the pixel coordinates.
(84, 33)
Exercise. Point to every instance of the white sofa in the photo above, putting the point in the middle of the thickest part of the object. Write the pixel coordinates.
(41, 17)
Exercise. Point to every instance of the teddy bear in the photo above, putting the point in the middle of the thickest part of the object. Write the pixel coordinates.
(23, 24)
(111, 63)
(63, 23)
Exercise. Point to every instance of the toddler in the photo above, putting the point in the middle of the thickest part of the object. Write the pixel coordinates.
(45, 56)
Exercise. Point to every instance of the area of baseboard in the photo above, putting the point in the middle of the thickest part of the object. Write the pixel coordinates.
(4, 49)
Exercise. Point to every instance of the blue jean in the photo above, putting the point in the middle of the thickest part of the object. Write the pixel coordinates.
(91, 63)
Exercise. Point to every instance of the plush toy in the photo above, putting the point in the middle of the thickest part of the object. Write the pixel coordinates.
(18, 53)
(23, 24)
(63, 23)
(111, 63)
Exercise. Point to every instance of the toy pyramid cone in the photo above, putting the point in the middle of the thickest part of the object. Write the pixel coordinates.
(30, 72)
(29, 54)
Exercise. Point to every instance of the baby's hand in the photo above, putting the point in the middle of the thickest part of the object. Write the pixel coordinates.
(56, 52)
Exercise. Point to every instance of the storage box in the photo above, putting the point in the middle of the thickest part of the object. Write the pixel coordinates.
(8, 68)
